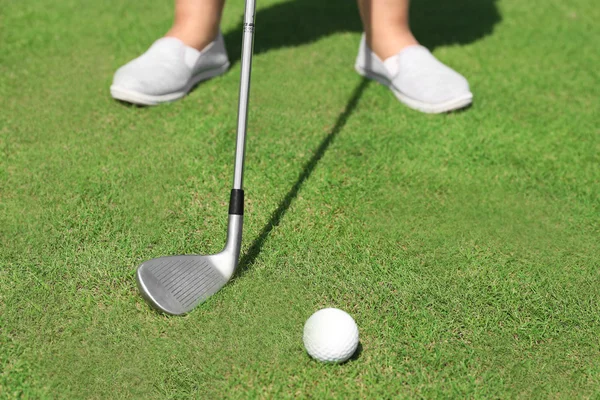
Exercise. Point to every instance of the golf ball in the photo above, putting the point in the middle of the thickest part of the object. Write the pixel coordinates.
(330, 335)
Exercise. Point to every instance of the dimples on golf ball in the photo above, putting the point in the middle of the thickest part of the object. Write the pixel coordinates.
(330, 335)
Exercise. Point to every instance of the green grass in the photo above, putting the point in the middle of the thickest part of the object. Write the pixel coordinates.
(466, 246)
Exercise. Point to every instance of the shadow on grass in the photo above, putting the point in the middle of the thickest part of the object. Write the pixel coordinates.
(250, 256)
(293, 23)
(435, 23)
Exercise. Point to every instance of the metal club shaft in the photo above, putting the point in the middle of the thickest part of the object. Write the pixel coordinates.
(247, 44)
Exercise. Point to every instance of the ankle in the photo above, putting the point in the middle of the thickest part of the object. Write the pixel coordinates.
(192, 35)
(388, 44)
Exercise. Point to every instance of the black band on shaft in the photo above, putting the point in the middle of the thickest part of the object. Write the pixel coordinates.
(236, 202)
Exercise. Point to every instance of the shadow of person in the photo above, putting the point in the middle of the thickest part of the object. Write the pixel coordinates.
(435, 23)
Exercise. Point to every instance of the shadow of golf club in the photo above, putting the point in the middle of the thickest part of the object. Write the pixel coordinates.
(253, 251)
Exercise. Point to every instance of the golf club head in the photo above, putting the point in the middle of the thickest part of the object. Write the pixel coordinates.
(177, 284)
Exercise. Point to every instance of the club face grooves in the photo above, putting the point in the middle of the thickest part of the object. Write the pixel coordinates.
(176, 285)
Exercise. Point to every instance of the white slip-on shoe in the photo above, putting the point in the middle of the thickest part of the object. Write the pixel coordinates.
(167, 71)
(417, 78)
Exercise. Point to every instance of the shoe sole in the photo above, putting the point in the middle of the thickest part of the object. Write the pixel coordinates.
(134, 97)
(451, 105)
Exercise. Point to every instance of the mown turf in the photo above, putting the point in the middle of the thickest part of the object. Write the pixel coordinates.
(466, 246)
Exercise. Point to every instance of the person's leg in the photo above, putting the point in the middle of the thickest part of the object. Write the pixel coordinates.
(193, 50)
(386, 26)
(390, 54)
(196, 22)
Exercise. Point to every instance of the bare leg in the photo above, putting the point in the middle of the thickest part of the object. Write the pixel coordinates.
(386, 26)
(196, 22)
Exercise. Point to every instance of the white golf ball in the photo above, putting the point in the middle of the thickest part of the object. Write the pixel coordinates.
(330, 335)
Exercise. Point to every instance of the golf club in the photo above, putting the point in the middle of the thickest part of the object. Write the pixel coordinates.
(177, 284)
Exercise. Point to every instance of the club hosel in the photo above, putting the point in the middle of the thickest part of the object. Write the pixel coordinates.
(234, 225)
(234, 237)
